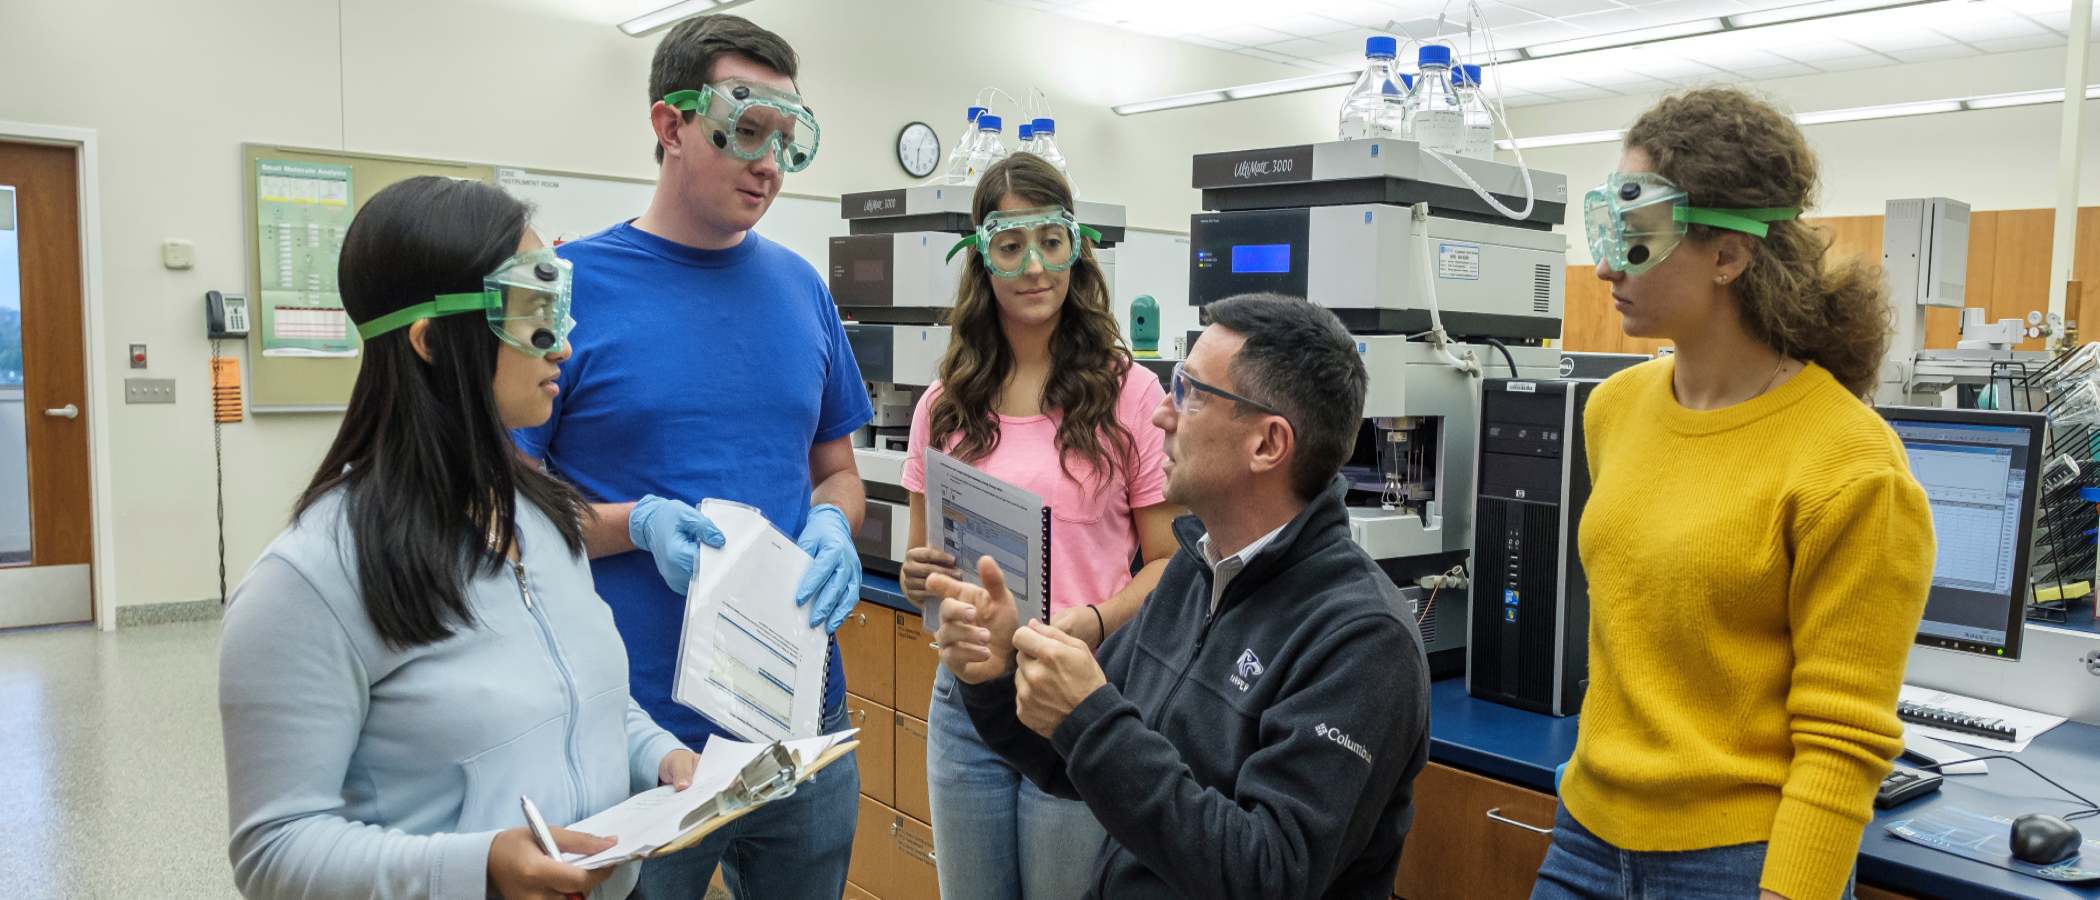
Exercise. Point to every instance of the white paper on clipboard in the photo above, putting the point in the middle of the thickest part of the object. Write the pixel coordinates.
(748, 659)
(970, 514)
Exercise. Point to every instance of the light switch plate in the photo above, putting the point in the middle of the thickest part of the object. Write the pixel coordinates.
(149, 390)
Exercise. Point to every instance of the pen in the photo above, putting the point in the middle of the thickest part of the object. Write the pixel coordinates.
(541, 835)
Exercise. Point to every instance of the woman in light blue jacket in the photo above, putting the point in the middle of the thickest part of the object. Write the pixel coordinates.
(423, 646)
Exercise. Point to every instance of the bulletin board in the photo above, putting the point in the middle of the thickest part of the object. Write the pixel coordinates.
(305, 232)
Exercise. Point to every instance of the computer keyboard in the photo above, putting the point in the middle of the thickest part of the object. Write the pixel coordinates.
(1938, 717)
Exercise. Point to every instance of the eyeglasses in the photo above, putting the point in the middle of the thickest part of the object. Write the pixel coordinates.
(1183, 382)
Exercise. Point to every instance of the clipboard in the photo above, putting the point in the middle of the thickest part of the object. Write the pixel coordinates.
(645, 825)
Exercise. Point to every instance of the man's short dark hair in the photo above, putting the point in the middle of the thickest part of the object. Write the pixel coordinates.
(1299, 359)
(685, 58)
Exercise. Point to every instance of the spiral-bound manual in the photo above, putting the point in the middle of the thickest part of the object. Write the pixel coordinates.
(970, 515)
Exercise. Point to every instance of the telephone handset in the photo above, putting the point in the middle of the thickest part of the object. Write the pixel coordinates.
(225, 316)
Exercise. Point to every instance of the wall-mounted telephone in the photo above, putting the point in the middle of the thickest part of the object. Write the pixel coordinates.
(225, 316)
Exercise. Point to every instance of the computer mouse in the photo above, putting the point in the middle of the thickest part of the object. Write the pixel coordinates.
(2044, 840)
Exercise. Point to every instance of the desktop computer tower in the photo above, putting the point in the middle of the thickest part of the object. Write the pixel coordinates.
(1527, 636)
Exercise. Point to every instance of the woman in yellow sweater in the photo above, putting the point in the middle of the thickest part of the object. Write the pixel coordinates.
(1757, 550)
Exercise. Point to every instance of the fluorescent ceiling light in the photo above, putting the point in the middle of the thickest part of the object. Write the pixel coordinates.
(1626, 38)
(2022, 98)
(1562, 140)
(1821, 10)
(1889, 111)
(1291, 85)
(663, 17)
(1175, 102)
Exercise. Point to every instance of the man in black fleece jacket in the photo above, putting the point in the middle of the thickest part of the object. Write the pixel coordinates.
(1255, 732)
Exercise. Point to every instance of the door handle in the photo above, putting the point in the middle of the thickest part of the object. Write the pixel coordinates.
(70, 411)
(1496, 814)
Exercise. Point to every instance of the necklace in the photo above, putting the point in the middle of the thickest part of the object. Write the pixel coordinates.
(1776, 369)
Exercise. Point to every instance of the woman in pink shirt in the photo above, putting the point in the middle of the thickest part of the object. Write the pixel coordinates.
(1036, 389)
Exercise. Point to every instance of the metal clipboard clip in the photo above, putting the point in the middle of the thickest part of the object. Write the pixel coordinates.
(768, 777)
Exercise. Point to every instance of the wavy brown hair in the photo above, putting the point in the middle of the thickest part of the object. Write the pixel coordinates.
(1087, 356)
(1729, 149)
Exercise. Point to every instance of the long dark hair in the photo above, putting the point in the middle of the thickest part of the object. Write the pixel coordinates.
(1728, 148)
(428, 472)
(1087, 357)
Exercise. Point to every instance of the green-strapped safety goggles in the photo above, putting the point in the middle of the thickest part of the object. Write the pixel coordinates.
(750, 120)
(526, 301)
(1636, 219)
(1007, 241)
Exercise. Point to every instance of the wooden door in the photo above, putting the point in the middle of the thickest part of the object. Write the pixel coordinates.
(45, 536)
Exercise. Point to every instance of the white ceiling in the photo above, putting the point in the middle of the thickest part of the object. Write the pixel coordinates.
(1327, 35)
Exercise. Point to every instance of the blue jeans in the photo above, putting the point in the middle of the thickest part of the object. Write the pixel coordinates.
(1581, 865)
(796, 847)
(996, 836)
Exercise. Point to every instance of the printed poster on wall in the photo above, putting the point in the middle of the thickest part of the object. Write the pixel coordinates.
(302, 211)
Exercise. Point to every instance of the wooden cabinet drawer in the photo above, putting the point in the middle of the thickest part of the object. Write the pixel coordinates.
(912, 799)
(853, 892)
(878, 747)
(868, 648)
(892, 855)
(916, 662)
(1473, 837)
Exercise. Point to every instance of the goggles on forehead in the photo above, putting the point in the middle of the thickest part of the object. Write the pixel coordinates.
(1007, 241)
(526, 301)
(750, 120)
(1634, 220)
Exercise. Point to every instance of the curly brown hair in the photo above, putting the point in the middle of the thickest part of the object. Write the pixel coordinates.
(1729, 149)
(1087, 357)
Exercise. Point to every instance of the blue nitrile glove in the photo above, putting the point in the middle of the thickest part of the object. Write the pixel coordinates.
(833, 580)
(672, 532)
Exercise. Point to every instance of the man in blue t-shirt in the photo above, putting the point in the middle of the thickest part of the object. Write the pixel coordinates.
(710, 363)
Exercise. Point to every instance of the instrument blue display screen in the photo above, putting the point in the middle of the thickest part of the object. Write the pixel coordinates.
(1261, 259)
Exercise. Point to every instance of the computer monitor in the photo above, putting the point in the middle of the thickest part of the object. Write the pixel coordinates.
(1980, 470)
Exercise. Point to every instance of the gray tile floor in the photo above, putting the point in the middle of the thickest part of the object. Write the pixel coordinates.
(112, 778)
(112, 772)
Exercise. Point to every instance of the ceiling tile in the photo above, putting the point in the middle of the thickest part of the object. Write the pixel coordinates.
(1551, 86)
(1246, 35)
(1687, 10)
(1664, 67)
(1559, 8)
(1302, 48)
(1783, 70)
(1363, 14)
(1535, 33)
(1862, 60)
(1498, 15)
(1814, 52)
(1888, 40)
(1613, 20)
(2024, 42)
(1299, 24)
(1418, 9)
(1293, 61)
(1583, 92)
(1202, 41)
(1625, 81)
(1949, 50)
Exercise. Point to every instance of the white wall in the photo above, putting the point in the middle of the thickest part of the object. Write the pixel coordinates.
(174, 88)
(1990, 159)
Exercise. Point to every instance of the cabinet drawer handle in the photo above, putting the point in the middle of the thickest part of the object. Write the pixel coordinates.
(1496, 814)
(895, 827)
(860, 618)
(862, 714)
